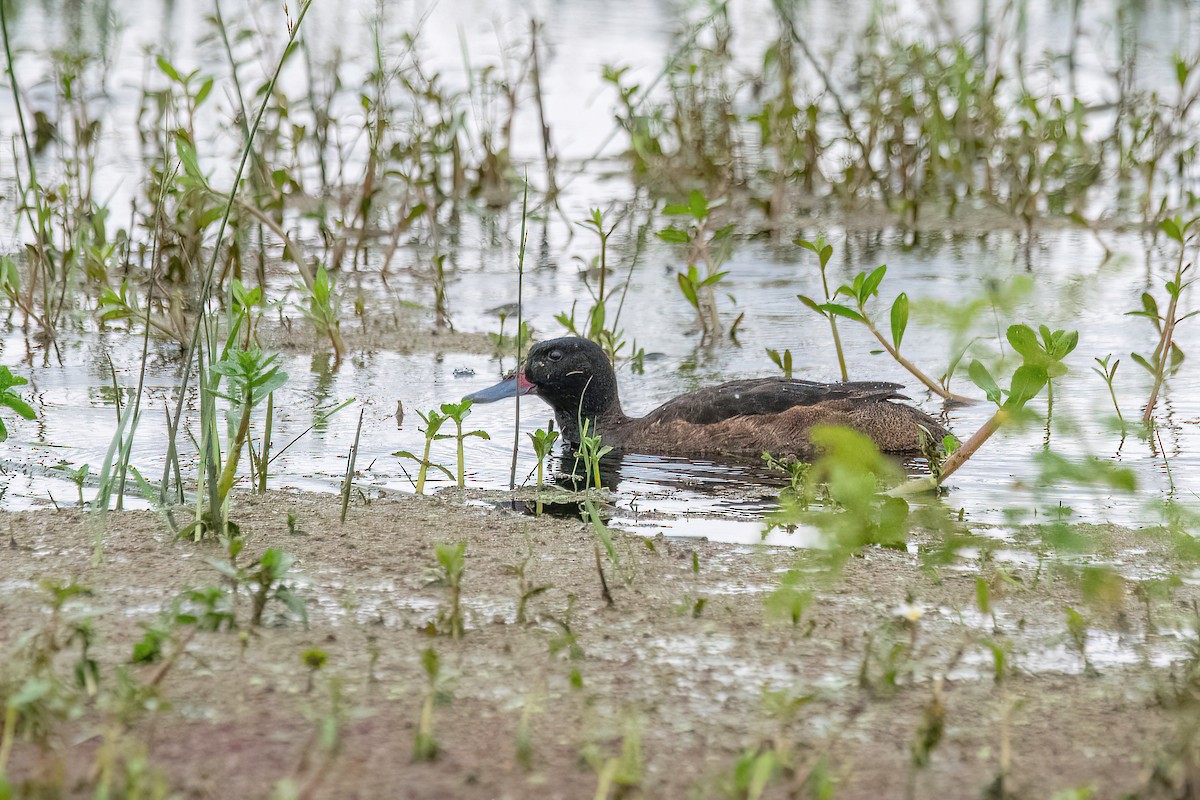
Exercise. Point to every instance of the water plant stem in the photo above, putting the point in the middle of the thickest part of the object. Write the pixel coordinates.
(916, 372)
(968, 448)
(512, 470)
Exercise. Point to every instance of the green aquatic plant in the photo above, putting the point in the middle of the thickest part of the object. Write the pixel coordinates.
(1108, 373)
(1042, 360)
(843, 495)
(433, 423)
(783, 361)
(457, 413)
(865, 286)
(824, 252)
(10, 399)
(705, 248)
(1167, 356)
(77, 475)
(323, 308)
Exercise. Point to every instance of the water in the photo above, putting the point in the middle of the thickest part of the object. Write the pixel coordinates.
(1070, 285)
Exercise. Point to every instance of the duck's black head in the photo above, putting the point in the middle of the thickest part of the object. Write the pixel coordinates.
(573, 375)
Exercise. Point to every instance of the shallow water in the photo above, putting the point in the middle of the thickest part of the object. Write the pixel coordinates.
(1071, 286)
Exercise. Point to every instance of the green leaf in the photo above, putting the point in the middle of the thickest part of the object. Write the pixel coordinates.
(813, 304)
(870, 284)
(1172, 228)
(168, 69)
(843, 311)
(899, 319)
(1027, 382)
(1140, 359)
(674, 235)
(688, 289)
(18, 405)
(983, 379)
(697, 204)
(205, 90)
(1025, 342)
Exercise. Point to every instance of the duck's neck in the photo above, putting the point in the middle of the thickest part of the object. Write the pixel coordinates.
(603, 422)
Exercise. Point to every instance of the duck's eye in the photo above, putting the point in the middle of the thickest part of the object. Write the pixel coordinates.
(555, 355)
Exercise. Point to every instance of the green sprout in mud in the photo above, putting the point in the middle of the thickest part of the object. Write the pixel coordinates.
(451, 565)
(1167, 356)
(433, 423)
(623, 773)
(526, 590)
(266, 578)
(425, 745)
(1077, 629)
(590, 451)
(790, 599)
(11, 400)
(851, 473)
(78, 476)
(543, 444)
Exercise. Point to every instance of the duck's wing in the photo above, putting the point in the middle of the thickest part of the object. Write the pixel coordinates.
(767, 396)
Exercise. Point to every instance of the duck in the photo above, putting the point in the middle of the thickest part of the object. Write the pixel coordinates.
(740, 418)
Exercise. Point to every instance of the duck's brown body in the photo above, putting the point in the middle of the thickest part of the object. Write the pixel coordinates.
(673, 432)
(740, 418)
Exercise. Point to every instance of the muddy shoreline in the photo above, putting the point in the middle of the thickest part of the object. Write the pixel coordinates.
(539, 709)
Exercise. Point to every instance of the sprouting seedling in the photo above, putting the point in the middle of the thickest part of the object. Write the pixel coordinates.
(1167, 355)
(1108, 373)
(783, 361)
(1041, 359)
(590, 452)
(543, 443)
(598, 315)
(865, 286)
(790, 599)
(459, 412)
(252, 376)
(451, 564)
(10, 398)
(267, 579)
(1048, 351)
(526, 590)
(78, 477)
(314, 660)
(425, 746)
(824, 252)
(929, 733)
(433, 423)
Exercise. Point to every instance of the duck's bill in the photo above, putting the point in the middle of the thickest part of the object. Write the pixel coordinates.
(512, 386)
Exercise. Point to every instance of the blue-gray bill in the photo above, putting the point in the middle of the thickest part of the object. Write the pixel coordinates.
(512, 386)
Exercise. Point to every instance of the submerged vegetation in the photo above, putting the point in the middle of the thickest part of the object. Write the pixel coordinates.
(294, 209)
